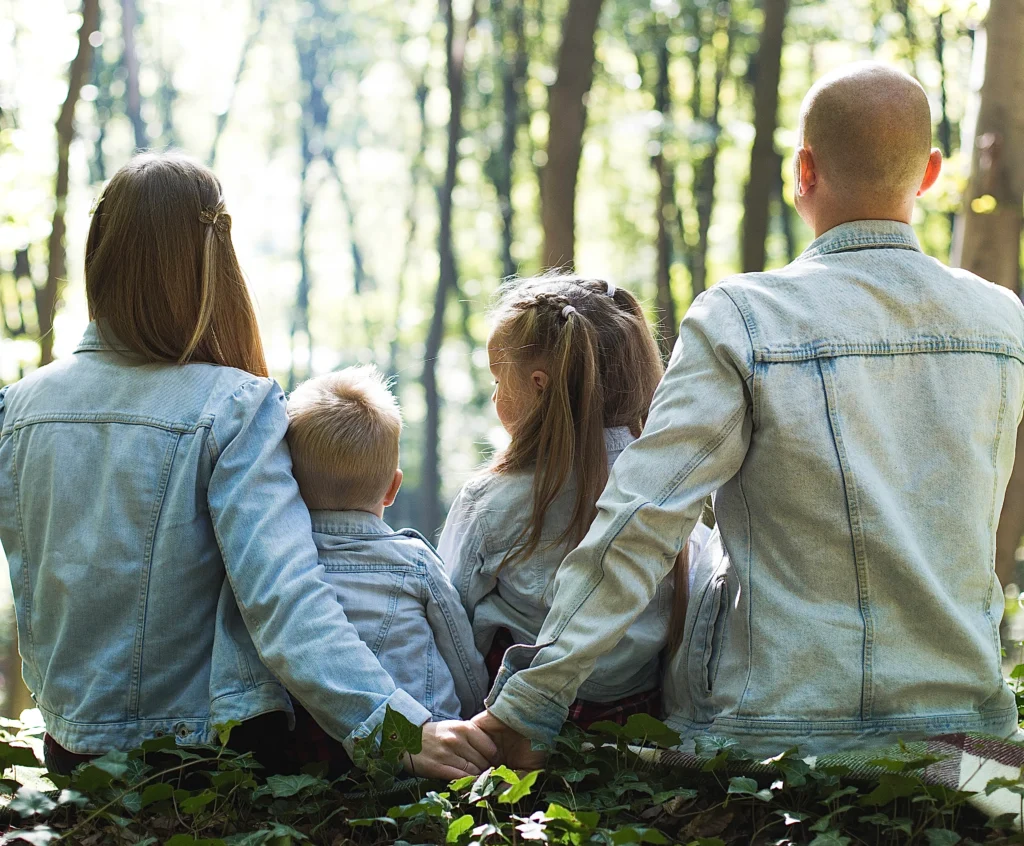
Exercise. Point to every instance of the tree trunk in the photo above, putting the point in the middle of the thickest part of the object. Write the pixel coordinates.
(455, 51)
(567, 117)
(764, 161)
(509, 32)
(664, 205)
(132, 95)
(48, 296)
(988, 230)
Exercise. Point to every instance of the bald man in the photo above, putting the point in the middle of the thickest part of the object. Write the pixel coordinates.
(855, 414)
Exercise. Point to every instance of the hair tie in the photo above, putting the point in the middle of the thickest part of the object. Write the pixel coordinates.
(567, 311)
(219, 219)
(611, 289)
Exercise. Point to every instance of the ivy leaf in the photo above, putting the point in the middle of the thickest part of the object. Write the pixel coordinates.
(634, 834)
(30, 803)
(891, 786)
(194, 804)
(505, 774)
(574, 776)
(38, 836)
(941, 837)
(1017, 672)
(792, 817)
(72, 797)
(283, 786)
(462, 783)
(647, 728)
(1014, 785)
(830, 838)
(742, 785)
(459, 827)
(158, 744)
(399, 736)
(16, 756)
(155, 793)
(114, 762)
(224, 730)
(521, 789)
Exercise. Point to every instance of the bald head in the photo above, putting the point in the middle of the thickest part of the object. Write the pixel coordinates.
(868, 127)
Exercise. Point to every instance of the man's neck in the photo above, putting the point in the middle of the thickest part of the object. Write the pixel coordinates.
(826, 220)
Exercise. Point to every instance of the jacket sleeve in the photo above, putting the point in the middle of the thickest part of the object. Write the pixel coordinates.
(461, 550)
(695, 439)
(454, 638)
(296, 623)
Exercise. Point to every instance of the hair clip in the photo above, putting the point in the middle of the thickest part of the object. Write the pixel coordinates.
(219, 219)
(96, 204)
(567, 311)
(611, 290)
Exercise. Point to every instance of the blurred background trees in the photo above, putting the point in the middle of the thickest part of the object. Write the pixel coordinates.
(386, 165)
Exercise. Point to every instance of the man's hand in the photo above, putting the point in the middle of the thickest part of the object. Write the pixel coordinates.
(514, 750)
(452, 749)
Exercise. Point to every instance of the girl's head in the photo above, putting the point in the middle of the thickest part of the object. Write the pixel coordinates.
(571, 357)
(160, 271)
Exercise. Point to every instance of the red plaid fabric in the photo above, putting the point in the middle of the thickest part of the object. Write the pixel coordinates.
(581, 713)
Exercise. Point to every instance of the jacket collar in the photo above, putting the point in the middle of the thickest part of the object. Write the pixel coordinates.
(349, 523)
(94, 341)
(863, 235)
(617, 438)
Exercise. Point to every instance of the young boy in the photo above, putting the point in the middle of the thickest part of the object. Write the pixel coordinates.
(343, 432)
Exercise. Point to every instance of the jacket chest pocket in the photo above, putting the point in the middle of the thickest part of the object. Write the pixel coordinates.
(705, 646)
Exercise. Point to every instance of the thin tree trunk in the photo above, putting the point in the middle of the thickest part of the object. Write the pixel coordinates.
(509, 31)
(250, 40)
(455, 50)
(764, 160)
(664, 202)
(48, 296)
(132, 96)
(988, 230)
(567, 117)
(945, 128)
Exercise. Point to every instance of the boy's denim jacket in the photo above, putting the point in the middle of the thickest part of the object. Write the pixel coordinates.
(164, 571)
(396, 593)
(485, 520)
(856, 412)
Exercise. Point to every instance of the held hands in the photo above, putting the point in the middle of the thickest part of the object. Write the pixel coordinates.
(452, 749)
(513, 749)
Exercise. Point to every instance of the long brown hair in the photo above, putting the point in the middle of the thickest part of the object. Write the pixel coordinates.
(602, 361)
(161, 274)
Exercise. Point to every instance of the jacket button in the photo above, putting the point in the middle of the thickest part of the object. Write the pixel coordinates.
(182, 731)
(159, 733)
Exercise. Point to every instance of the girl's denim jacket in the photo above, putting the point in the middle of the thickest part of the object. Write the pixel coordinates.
(164, 571)
(856, 412)
(483, 524)
(398, 596)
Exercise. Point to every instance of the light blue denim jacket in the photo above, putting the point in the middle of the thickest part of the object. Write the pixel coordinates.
(165, 576)
(396, 593)
(856, 412)
(486, 518)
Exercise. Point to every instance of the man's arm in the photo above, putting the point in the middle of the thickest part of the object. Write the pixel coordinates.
(695, 439)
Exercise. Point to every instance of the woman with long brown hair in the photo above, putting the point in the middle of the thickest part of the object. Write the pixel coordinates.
(164, 572)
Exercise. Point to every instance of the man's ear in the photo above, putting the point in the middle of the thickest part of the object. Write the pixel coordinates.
(806, 172)
(931, 172)
(540, 380)
(396, 483)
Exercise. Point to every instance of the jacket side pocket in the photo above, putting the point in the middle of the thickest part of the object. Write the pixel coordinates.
(706, 641)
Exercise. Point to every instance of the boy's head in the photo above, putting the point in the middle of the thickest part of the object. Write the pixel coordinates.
(865, 146)
(343, 432)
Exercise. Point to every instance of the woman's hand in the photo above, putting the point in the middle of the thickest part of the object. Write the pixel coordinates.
(452, 749)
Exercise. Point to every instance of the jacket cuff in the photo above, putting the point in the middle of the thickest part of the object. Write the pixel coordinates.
(399, 701)
(525, 709)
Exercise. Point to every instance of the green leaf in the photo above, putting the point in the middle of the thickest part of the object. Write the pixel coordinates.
(505, 774)
(30, 803)
(742, 785)
(707, 841)
(1017, 672)
(792, 817)
(224, 730)
(941, 837)
(891, 786)
(459, 827)
(156, 793)
(1014, 785)
(366, 822)
(233, 778)
(647, 728)
(189, 840)
(16, 756)
(521, 789)
(574, 776)
(283, 786)
(636, 834)
(72, 797)
(682, 794)
(607, 727)
(194, 804)
(158, 744)
(461, 783)
(38, 836)
(830, 838)
(114, 762)
(399, 736)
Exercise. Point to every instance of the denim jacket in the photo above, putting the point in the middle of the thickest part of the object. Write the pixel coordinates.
(164, 572)
(485, 520)
(856, 412)
(398, 596)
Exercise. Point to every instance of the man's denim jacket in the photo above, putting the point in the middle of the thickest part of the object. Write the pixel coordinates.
(396, 593)
(484, 522)
(164, 571)
(856, 412)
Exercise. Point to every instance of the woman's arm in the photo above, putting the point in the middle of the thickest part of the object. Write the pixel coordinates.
(296, 623)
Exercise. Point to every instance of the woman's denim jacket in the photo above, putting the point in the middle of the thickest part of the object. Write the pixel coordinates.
(856, 412)
(484, 522)
(163, 564)
(398, 596)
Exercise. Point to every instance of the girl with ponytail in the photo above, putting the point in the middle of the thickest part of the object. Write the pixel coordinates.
(575, 367)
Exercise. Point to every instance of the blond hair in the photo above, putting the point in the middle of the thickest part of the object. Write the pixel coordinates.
(343, 431)
(161, 274)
